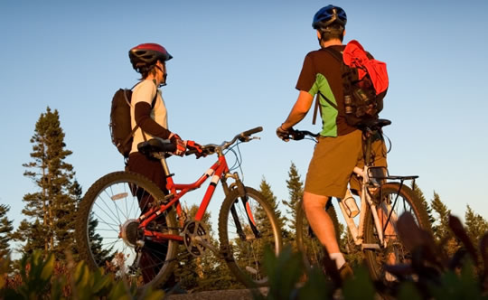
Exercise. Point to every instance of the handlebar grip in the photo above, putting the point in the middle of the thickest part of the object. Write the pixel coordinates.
(190, 152)
(252, 131)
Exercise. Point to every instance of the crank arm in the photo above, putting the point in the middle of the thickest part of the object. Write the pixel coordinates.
(199, 240)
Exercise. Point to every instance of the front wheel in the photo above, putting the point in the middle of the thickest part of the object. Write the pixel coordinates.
(108, 233)
(247, 227)
(393, 203)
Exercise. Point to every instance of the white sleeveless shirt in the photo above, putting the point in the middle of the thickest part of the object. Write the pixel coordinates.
(145, 92)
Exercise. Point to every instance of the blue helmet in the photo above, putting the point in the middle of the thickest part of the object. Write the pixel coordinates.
(328, 15)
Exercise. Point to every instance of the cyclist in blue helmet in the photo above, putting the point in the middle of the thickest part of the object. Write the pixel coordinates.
(330, 21)
(339, 147)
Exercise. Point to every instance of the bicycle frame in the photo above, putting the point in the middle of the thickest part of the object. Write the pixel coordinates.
(354, 229)
(366, 200)
(219, 171)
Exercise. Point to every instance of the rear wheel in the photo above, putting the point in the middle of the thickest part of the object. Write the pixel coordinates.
(247, 227)
(307, 242)
(394, 202)
(108, 233)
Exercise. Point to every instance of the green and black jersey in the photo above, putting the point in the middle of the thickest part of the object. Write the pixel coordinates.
(322, 72)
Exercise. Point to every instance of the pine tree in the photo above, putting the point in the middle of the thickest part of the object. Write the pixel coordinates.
(441, 228)
(270, 198)
(50, 211)
(420, 195)
(295, 191)
(477, 227)
(5, 231)
(31, 234)
(442, 231)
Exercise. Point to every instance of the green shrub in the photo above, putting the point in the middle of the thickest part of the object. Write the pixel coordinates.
(41, 279)
(461, 276)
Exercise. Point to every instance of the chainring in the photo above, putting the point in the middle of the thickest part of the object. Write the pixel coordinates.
(193, 232)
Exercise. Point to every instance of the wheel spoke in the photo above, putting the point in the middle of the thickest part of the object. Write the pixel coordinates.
(108, 230)
(241, 241)
(397, 200)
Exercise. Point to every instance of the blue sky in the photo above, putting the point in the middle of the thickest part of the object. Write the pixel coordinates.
(235, 67)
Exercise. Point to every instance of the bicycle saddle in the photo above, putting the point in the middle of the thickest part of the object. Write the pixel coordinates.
(374, 124)
(156, 145)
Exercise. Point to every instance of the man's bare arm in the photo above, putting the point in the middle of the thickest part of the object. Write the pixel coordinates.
(299, 110)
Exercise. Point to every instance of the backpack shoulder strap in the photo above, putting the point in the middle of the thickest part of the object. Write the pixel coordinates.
(334, 53)
(154, 99)
(153, 103)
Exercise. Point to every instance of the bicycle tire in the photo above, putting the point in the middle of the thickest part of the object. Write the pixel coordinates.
(308, 244)
(244, 255)
(395, 252)
(107, 230)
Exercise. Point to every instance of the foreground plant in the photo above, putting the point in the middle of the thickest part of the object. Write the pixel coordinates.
(438, 276)
(39, 280)
(435, 274)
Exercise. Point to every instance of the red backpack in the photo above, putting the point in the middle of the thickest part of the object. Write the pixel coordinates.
(364, 81)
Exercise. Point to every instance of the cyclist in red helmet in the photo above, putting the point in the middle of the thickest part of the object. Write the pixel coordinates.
(148, 109)
(149, 112)
(339, 147)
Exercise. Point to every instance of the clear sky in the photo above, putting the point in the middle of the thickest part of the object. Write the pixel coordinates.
(235, 67)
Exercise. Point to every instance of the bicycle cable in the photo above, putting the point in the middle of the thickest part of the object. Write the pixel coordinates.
(238, 162)
(311, 139)
(390, 144)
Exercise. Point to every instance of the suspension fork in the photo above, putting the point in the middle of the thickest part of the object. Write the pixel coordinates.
(244, 199)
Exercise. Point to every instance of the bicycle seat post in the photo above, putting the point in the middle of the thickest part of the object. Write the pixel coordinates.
(165, 167)
(369, 140)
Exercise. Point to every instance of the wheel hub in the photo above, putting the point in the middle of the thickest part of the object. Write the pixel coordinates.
(129, 232)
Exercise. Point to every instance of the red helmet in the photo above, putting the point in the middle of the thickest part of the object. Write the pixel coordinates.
(148, 54)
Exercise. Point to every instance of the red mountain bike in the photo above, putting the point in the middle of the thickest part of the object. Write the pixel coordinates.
(127, 224)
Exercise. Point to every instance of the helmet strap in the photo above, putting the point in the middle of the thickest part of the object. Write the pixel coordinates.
(165, 75)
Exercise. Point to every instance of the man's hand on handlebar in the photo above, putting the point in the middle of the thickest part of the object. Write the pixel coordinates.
(296, 135)
(283, 134)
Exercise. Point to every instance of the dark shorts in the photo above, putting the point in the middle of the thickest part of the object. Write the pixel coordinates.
(148, 167)
(152, 170)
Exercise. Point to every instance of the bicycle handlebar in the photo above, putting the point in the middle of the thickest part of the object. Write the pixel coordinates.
(298, 135)
(243, 137)
(250, 132)
(369, 127)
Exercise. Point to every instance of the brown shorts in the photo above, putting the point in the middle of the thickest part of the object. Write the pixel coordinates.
(333, 161)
